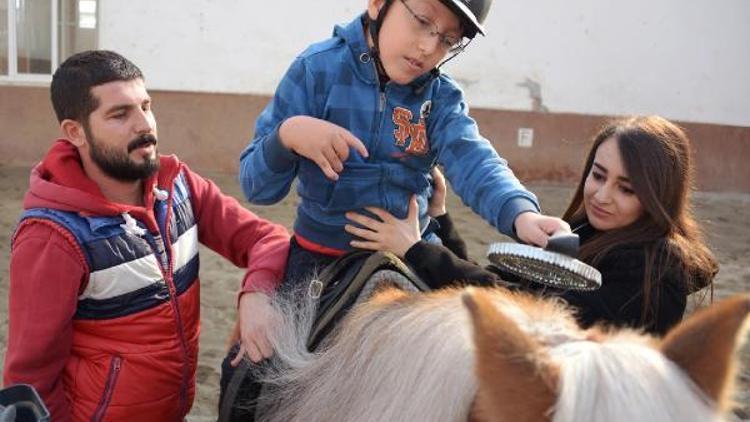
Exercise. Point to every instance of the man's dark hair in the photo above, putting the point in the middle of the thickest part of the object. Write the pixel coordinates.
(72, 82)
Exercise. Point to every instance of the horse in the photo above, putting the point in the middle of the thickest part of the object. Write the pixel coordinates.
(491, 354)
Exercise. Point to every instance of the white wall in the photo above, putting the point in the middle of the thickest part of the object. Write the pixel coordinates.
(687, 60)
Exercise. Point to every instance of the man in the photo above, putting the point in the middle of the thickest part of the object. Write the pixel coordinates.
(104, 297)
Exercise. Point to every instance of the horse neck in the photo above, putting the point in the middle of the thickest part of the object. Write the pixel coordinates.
(411, 361)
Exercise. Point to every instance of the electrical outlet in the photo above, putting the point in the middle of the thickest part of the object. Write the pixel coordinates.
(525, 137)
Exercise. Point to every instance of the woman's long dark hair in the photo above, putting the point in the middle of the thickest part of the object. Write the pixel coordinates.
(658, 159)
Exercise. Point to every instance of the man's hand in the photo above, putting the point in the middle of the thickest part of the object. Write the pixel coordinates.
(536, 229)
(323, 142)
(257, 317)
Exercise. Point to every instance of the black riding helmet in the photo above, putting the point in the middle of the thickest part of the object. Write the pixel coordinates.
(471, 13)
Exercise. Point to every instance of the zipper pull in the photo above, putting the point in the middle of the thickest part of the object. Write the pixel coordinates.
(381, 105)
(160, 195)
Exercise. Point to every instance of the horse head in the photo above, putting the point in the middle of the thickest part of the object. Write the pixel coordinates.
(604, 374)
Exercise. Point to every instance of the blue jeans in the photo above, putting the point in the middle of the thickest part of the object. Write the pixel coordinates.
(302, 265)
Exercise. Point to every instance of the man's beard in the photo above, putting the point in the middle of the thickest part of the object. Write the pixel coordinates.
(117, 164)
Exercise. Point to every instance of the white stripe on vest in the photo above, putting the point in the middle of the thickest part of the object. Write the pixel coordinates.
(185, 248)
(139, 273)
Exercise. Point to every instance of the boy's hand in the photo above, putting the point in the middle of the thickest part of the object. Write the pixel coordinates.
(536, 229)
(257, 317)
(323, 142)
(436, 207)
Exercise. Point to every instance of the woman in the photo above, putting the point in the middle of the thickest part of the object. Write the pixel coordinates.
(632, 211)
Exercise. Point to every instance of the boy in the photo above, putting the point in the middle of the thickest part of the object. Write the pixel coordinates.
(361, 119)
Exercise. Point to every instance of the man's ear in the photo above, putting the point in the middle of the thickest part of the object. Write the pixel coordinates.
(373, 8)
(73, 131)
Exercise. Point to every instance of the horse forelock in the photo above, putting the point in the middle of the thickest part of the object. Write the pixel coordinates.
(624, 378)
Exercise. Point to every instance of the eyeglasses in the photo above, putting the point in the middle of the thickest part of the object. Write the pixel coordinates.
(425, 26)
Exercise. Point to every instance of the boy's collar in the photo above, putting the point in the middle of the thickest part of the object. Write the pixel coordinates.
(353, 35)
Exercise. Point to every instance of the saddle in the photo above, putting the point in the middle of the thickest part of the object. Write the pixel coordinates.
(347, 281)
(351, 279)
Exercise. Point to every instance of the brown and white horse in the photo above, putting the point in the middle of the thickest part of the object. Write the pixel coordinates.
(494, 355)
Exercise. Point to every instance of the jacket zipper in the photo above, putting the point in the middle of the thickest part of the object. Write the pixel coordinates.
(166, 261)
(109, 388)
(380, 117)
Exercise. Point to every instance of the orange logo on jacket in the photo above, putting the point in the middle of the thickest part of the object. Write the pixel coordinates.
(405, 129)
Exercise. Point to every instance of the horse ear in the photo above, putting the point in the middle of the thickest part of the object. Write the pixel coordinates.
(704, 346)
(515, 381)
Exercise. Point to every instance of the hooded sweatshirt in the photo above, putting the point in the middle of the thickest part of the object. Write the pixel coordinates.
(104, 297)
(407, 130)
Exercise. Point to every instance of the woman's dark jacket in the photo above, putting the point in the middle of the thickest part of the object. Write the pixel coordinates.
(619, 301)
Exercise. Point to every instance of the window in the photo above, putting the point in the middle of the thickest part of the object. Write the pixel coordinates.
(77, 27)
(35, 35)
(33, 38)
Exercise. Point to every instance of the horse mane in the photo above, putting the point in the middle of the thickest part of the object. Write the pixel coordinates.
(406, 356)
(388, 360)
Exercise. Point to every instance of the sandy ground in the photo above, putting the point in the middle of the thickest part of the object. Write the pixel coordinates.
(723, 215)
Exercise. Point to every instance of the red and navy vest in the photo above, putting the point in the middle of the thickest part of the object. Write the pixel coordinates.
(136, 329)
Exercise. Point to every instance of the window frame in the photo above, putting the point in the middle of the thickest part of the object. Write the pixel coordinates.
(13, 76)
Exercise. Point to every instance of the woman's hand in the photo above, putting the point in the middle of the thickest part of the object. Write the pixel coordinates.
(390, 234)
(436, 207)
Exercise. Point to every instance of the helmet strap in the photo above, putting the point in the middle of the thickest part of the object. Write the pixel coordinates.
(435, 73)
(373, 25)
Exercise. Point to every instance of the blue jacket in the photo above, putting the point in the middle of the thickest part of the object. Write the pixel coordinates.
(406, 131)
